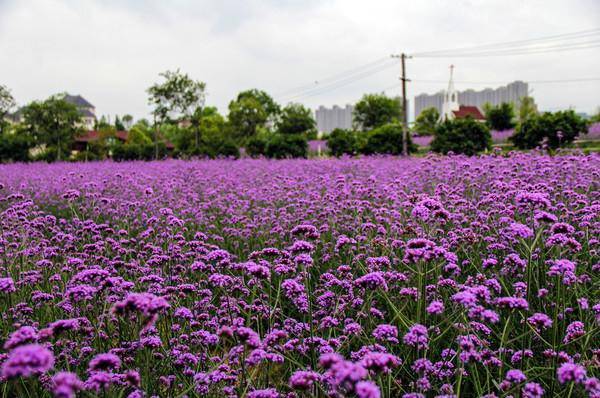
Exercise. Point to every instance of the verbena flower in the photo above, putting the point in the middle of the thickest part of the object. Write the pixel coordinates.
(27, 360)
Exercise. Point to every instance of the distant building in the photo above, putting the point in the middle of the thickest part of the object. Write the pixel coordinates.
(511, 93)
(86, 109)
(329, 119)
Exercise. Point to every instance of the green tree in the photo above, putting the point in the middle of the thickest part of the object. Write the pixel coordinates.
(271, 108)
(553, 129)
(297, 119)
(102, 123)
(500, 117)
(282, 146)
(427, 121)
(15, 143)
(118, 124)
(139, 134)
(175, 99)
(212, 134)
(54, 123)
(7, 103)
(246, 115)
(127, 121)
(386, 139)
(256, 146)
(465, 136)
(527, 108)
(341, 142)
(375, 110)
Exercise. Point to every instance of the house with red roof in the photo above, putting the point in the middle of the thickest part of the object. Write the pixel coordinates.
(464, 111)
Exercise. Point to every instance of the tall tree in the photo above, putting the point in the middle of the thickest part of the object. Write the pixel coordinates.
(118, 124)
(246, 115)
(375, 110)
(212, 130)
(527, 109)
(271, 108)
(127, 121)
(175, 99)
(53, 122)
(7, 103)
(427, 121)
(296, 119)
(102, 123)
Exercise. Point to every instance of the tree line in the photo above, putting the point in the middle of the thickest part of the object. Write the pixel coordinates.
(531, 129)
(182, 125)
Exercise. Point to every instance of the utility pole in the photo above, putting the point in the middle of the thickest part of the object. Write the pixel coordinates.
(404, 109)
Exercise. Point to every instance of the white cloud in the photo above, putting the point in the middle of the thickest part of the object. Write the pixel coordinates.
(111, 51)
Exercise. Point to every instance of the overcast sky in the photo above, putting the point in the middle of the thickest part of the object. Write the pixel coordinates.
(110, 51)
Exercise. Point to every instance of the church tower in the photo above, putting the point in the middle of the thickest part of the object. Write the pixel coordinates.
(450, 99)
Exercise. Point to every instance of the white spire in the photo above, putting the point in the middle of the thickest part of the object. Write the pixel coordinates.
(450, 99)
(451, 82)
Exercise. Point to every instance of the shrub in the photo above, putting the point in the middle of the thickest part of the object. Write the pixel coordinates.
(14, 148)
(297, 119)
(256, 147)
(386, 139)
(287, 146)
(148, 151)
(214, 148)
(500, 117)
(48, 154)
(342, 142)
(552, 129)
(221, 148)
(465, 136)
(126, 152)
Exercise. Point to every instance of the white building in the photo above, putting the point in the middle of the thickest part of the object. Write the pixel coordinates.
(86, 109)
(511, 93)
(328, 119)
(450, 104)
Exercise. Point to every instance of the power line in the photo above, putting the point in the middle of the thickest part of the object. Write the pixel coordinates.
(334, 85)
(336, 77)
(553, 43)
(536, 50)
(516, 44)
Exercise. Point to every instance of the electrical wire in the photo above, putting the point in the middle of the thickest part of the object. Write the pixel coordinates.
(513, 45)
(538, 50)
(332, 78)
(553, 43)
(338, 83)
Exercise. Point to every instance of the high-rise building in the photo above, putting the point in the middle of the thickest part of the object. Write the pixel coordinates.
(329, 119)
(511, 93)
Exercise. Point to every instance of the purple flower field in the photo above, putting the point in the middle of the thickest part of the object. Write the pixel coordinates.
(371, 277)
